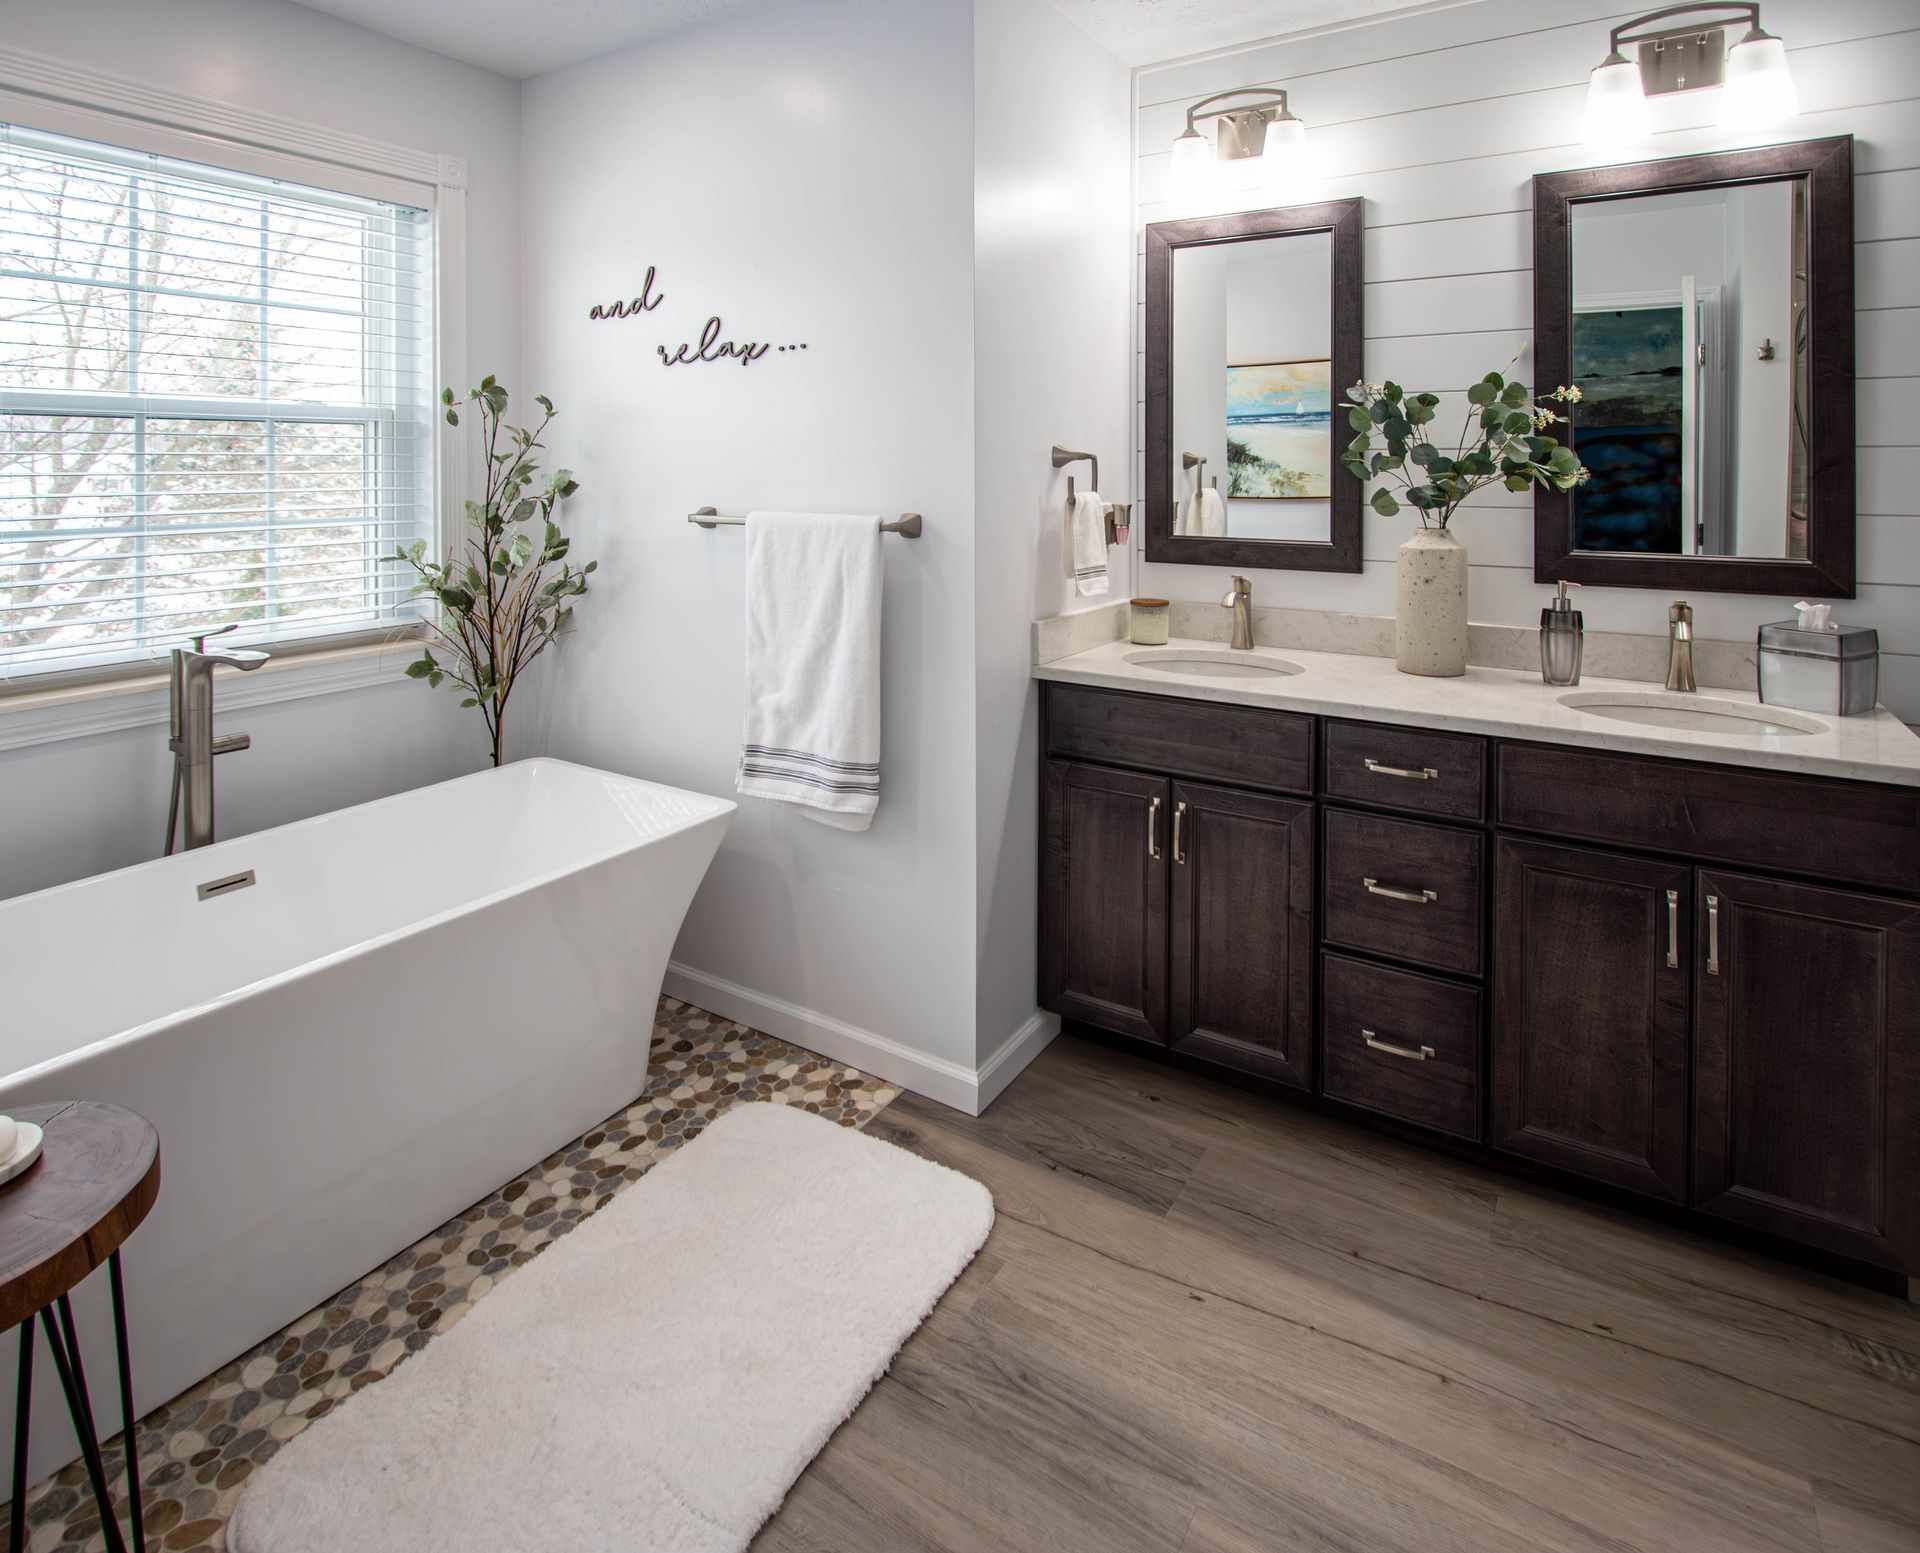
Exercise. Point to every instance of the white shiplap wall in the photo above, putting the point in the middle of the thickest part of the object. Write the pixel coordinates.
(1439, 121)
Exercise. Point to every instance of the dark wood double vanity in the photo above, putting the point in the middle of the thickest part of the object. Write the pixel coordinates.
(1694, 985)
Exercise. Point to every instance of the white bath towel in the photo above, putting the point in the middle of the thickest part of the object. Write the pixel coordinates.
(812, 741)
(1203, 514)
(1088, 521)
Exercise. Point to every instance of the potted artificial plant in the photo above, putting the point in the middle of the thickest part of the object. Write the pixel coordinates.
(508, 592)
(1503, 440)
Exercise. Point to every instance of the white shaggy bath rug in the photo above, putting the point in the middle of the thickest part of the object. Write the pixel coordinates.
(654, 1382)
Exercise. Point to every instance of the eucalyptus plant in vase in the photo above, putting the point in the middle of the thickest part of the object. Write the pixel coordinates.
(1502, 441)
(507, 594)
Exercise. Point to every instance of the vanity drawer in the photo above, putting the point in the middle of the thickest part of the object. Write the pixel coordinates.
(1407, 768)
(1240, 744)
(1854, 832)
(1404, 889)
(1402, 1044)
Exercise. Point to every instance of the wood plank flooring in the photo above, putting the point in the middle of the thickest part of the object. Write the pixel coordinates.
(1209, 1323)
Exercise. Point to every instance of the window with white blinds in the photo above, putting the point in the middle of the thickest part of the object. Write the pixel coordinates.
(215, 407)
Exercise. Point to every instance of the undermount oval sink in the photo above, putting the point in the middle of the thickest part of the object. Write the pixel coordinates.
(1693, 713)
(1206, 663)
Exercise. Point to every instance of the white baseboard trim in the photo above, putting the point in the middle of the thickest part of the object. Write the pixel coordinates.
(1010, 1060)
(965, 1089)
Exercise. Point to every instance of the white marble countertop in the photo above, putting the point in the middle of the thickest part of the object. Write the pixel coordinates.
(1876, 747)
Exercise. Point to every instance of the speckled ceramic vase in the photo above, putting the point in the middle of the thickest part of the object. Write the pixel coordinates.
(1430, 614)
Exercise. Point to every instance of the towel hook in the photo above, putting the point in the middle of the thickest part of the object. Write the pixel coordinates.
(1198, 461)
(1062, 456)
(1117, 513)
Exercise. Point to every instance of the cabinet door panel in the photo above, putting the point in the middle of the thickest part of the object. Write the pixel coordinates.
(1590, 1014)
(1241, 987)
(1103, 898)
(1807, 1065)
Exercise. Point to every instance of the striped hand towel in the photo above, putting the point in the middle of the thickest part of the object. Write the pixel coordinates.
(812, 741)
(1087, 523)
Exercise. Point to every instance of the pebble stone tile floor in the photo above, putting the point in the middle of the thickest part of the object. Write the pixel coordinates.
(197, 1451)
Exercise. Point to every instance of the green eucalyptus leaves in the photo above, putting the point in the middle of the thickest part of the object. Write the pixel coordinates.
(1503, 440)
(509, 592)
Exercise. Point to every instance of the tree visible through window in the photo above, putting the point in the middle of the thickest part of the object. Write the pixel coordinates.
(214, 406)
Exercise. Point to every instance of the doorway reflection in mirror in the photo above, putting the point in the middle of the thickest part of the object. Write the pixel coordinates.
(1689, 349)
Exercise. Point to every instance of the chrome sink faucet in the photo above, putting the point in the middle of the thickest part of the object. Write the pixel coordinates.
(1680, 646)
(190, 733)
(1239, 599)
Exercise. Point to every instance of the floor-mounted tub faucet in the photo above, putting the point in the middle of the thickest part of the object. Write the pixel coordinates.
(1239, 599)
(190, 733)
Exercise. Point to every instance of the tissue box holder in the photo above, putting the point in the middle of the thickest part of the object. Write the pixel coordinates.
(1836, 672)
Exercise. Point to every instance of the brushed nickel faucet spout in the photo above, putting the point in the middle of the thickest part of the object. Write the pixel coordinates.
(190, 733)
(1680, 646)
(1239, 599)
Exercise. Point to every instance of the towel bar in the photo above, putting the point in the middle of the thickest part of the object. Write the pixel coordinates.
(908, 524)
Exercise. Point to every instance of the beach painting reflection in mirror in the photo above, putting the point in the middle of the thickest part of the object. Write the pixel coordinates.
(1279, 430)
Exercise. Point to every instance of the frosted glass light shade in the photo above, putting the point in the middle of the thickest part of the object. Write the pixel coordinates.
(1616, 104)
(1758, 89)
(1193, 161)
(1286, 138)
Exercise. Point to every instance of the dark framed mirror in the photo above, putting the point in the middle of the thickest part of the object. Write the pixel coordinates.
(1254, 335)
(1703, 306)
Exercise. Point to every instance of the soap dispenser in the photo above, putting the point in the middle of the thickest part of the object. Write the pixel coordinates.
(1561, 635)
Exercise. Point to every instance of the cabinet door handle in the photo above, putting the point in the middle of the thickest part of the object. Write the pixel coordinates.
(1673, 929)
(1417, 897)
(1153, 829)
(1179, 813)
(1395, 1049)
(1414, 773)
(1713, 935)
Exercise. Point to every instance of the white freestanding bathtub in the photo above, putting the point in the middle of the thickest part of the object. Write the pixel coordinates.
(413, 1002)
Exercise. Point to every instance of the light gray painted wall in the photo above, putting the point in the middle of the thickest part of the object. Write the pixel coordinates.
(1439, 120)
(84, 806)
(838, 212)
(1051, 344)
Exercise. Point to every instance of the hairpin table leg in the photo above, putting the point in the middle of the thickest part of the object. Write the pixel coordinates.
(129, 1446)
(73, 1381)
(22, 1415)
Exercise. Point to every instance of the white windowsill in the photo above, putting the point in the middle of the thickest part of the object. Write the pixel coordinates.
(78, 711)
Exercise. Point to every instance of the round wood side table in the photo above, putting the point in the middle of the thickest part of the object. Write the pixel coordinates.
(95, 1180)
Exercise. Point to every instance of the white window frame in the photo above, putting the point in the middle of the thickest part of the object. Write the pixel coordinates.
(62, 98)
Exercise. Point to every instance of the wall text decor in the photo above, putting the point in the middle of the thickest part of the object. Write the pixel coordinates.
(713, 348)
(646, 302)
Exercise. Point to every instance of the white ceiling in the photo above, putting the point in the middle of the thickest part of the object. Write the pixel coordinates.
(530, 37)
(1145, 31)
(527, 37)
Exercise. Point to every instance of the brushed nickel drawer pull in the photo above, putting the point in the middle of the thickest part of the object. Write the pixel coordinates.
(1179, 813)
(1394, 1049)
(1417, 774)
(1673, 929)
(1713, 935)
(1417, 897)
(1153, 829)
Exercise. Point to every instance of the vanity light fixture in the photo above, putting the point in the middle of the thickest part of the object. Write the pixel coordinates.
(1684, 49)
(1259, 124)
